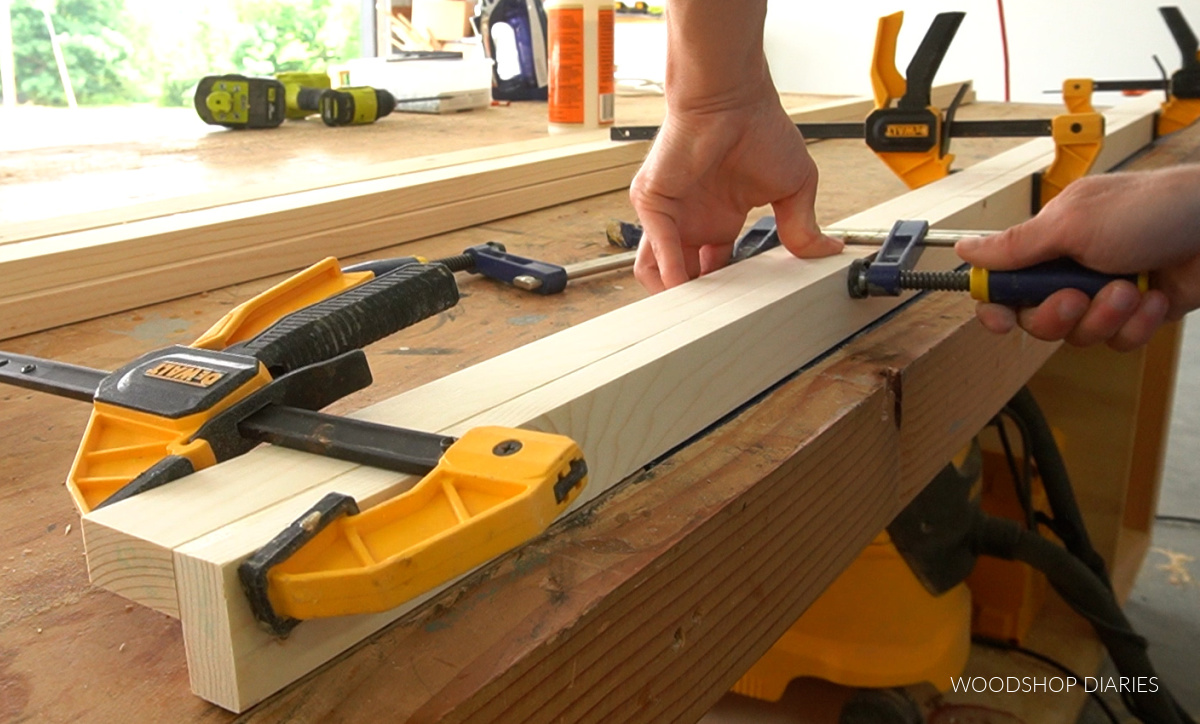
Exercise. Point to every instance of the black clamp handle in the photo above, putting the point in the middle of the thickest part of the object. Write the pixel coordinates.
(353, 319)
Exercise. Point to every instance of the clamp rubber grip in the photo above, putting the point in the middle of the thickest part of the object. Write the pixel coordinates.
(354, 318)
(1030, 286)
(924, 65)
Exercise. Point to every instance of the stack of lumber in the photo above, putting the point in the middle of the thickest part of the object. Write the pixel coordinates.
(629, 387)
(110, 262)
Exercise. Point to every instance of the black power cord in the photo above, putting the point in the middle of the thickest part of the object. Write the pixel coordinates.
(1076, 572)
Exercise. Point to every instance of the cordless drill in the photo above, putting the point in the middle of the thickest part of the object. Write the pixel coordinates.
(238, 101)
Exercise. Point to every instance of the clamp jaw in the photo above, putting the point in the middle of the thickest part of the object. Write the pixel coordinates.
(1078, 139)
(912, 136)
(1182, 106)
(909, 136)
(1182, 88)
(899, 254)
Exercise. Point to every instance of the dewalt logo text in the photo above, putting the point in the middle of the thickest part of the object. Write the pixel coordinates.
(187, 374)
(907, 130)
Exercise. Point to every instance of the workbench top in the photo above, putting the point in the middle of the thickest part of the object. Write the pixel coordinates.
(69, 651)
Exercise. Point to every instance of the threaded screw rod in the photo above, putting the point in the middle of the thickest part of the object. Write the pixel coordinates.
(940, 281)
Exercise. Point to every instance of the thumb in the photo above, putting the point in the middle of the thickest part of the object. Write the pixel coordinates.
(1019, 246)
(796, 223)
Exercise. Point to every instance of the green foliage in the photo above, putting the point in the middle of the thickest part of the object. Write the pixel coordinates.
(130, 51)
(95, 39)
(291, 35)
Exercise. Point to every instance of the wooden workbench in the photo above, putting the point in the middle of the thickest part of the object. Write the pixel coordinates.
(645, 605)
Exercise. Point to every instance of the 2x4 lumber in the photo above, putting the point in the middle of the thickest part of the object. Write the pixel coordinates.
(68, 223)
(680, 580)
(119, 268)
(687, 369)
(837, 110)
(613, 389)
(169, 249)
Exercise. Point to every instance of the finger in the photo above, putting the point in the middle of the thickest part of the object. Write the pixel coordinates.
(660, 261)
(996, 317)
(645, 268)
(796, 223)
(1113, 306)
(714, 256)
(1150, 315)
(1020, 246)
(1056, 317)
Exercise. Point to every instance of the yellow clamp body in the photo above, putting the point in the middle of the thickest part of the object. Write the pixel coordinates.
(918, 169)
(1177, 113)
(1078, 140)
(492, 490)
(914, 168)
(121, 443)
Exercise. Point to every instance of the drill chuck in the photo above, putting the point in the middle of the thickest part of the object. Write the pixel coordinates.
(355, 106)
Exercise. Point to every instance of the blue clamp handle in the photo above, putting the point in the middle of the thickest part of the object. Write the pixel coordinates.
(1030, 286)
(536, 276)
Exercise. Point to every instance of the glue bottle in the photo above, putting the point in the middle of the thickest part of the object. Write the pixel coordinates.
(580, 38)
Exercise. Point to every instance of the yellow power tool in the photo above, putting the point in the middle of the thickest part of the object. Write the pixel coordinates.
(239, 101)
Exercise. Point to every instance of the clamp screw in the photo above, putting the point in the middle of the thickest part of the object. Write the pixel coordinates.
(508, 447)
(29, 369)
(942, 281)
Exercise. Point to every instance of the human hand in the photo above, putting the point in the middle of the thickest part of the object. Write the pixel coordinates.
(1120, 223)
(709, 166)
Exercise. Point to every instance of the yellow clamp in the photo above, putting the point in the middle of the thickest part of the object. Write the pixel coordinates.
(120, 443)
(915, 169)
(1078, 140)
(492, 490)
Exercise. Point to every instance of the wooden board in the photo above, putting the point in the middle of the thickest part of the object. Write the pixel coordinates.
(678, 581)
(161, 251)
(970, 199)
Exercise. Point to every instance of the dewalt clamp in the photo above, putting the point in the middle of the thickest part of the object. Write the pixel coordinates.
(912, 136)
(260, 375)
(1182, 105)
